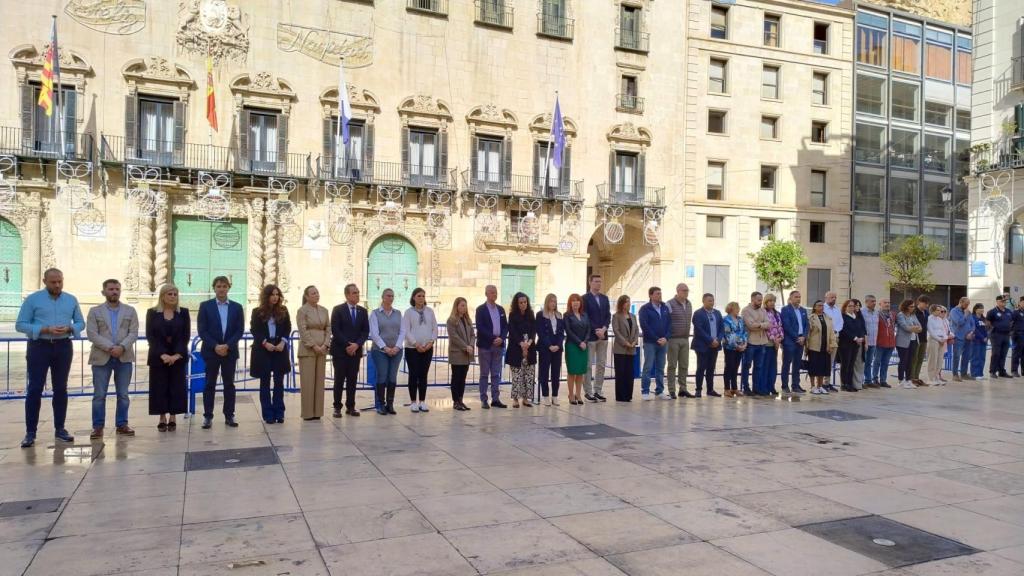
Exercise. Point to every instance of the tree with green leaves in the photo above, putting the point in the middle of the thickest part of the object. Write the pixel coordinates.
(779, 263)
(908, 263)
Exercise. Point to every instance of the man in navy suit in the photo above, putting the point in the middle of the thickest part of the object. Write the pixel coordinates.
(221, 324)
(350, 327)
(599, 311)
(708, 331)
(794, 336)
(491, 333)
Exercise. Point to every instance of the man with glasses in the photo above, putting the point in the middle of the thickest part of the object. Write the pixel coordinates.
(681, 314)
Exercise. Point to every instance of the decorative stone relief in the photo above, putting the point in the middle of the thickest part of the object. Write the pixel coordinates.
(255, 214)
(132, 265)
(161, 250)
(953, 11)
(491, 114)
(118, 17)
(48, 257)
(214, 27)
(271, 254)
(155, 69)
(627, 132)
(325, 45)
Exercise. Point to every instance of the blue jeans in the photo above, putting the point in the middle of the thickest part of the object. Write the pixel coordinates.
(792, 354)
(490, 369)
(752, 359)
(387, 375)
(272, 402)
(962, 350)
(654, 364)
(978, 350)
(869, 363)
(766, 371)
(880, 367)
(122, 372)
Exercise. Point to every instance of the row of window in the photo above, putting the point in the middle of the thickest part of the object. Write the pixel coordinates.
(718, 123)
(771, 82)
(714, 227)
(908, 196)
(906, 104)
(715, 178)
(902, 50)
(909, 149)
(772, 30)
(870, 236)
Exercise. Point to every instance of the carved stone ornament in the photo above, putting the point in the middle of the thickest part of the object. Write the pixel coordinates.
(358, 99)
(118, 17)
(421, 105)
(156, 69)
(541, 124)
(326, 45)
(263, 84)
(627, 132)
(71, 63)
(491, 114)
(214, 27)
(953, 11)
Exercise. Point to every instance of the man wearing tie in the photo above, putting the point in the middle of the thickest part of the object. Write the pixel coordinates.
(350, 327)
(220, 328)
(50, 318)
(112, 328)
(794, 336)
(708, 327)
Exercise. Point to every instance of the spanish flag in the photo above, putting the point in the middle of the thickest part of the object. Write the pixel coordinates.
(211, 98)
(51, 70)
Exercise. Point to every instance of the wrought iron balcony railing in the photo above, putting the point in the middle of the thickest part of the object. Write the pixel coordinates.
(555, 26)
(56, 145)
(630, 196)
(494, 13)
(629, 103)
(187, 155)
(632, 39)
(385, 174)
(522, 186)
(1010, 158)
(431, 6)
(1017, 73)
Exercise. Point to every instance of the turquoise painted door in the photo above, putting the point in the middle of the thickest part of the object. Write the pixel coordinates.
(10, 270)
(204, 250)
(392, 263)
(518, 279)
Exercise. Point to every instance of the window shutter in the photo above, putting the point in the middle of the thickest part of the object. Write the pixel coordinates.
(474, 155)
(611, 173)
(442, 159)
(640, 180)
(566, 168)
(328, 151)
(243, 161)
(28, 108)
(131, 126)
(406, 161)
(368, 149)
(69, 102)
(282, 144)
(506, 154)
(179, 133)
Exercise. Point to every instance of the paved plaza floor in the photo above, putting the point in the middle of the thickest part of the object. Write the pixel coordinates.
(896, 482)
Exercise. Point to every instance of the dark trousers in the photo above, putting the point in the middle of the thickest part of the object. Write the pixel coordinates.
(419, 365)
(706, 369)
(847, 355)
(791, 356)
(53, 356)
(550, 370)
(459, 373)
(226, 368)
(346, 372)
(272, 407)
(1000, 347)
(906, 358)
(623, 377)
(732, 366)
(1017, 359)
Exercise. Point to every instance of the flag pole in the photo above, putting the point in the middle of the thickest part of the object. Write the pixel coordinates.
(547, 161)
(209, 127)
(58, 97)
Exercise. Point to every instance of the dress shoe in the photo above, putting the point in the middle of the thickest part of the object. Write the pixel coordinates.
(230, 422)
(28, 441)
(352, 412)
(97, 433)
(391, 410)
(485, 405)
(785, 389)
(686, 394)
(673, 395)
(382, 411)
(499, 404)
(714, 394)
(63, 436)
(280, 420)
(730, 393)
(590, 397)
(124, 431)
(884, 385)
(600, 398)
(207, 422)
(697, 394)
(969, 378)
(797, 389)
(337, 413)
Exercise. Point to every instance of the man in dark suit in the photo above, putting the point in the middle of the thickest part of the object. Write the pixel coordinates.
(350, 327)
(708, 331)
(221, 324)
(491, 333)
(599, 311)
(794, 336)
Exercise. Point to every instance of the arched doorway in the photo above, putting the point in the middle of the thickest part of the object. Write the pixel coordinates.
(391, 263)
(626, 266)
(10, 270)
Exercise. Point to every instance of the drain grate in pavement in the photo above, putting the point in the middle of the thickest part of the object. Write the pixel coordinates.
(237, 458)
(590, 432)
(889, 542)
(26, 507)
(837, 415)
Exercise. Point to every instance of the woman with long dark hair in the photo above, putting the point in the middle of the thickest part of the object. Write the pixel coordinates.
(420, 328)
(461, 337)
(627, 337)
(907, 329)
(270, 327)
(521, 355)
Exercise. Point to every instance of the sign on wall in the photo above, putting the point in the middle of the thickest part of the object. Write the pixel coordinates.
(119, 17)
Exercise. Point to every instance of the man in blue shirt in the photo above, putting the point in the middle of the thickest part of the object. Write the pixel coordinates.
(961, 322)
(599, 311)
(656, 326)
(50, 318)
(220, 327)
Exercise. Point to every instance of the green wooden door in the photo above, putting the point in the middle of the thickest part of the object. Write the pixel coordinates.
(518, 279)
(392, 263)
(10, 270)
(204, 250)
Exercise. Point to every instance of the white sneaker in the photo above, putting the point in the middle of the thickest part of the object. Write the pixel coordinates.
(665, 396)
(647, 396)
(815, 391)
(423, 407)
(414, 407)
(907, 385)
(554, 401)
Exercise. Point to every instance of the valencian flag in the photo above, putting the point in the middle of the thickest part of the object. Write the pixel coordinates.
(51, 70)
(211, 98)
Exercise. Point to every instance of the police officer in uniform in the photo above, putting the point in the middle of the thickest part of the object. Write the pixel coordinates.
(1001, 321)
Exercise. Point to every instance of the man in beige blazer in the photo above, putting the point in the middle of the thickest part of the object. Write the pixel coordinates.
(112, 328)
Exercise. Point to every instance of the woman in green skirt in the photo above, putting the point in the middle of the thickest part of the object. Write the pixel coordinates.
(577, 328)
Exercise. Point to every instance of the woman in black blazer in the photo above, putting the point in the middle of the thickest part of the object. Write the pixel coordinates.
(550, 343)
(270, 328)
(521, 354)
(168, 328)
(851, 343)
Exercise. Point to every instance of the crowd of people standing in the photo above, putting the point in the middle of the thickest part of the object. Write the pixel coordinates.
(861, 338)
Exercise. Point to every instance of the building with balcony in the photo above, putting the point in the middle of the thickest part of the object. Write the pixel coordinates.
(768, 106)
(996, 198)
(912, 129)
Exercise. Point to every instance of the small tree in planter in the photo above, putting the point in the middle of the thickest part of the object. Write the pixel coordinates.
(779, 263)
(908, 263)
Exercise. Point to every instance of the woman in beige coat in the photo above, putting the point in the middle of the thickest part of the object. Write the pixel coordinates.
(461, 341)
(314, 324)
(627, 335)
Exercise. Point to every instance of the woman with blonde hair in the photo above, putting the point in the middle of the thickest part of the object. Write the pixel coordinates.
(314, 323)
(735, 346)
(461, 337)
(938, 336)
(550, 344)
(168, 329)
